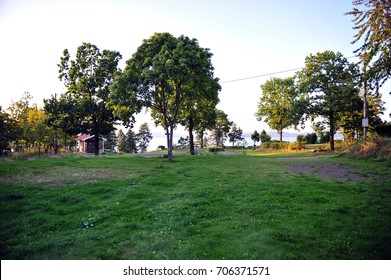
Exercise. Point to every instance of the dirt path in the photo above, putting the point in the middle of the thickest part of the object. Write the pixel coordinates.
(326, 170)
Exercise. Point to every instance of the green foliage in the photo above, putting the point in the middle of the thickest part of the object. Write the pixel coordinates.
(278, 105)
(330, 81)
(221, 128)
(9, 132)
(265, 137)
(311, 138)
(165, 74)
(255, 137)
(300, 138)
(121, 142)
(384, 130)
(144, 136)
(216, 149)
(131, 140)
(183, 142)
(235, 135)
(82, 108)
(372, 20)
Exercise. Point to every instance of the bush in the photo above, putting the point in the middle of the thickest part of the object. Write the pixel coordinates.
(266, 145)
(215, 149)
(379, 149)
(300, 138)
(311, 138)
(296, 146)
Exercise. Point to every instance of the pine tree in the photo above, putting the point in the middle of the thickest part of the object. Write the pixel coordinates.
(131, 142)
(121, 141)
(144, 136)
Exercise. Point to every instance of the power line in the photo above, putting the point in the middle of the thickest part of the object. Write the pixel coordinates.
(269, 74)
(263, 75)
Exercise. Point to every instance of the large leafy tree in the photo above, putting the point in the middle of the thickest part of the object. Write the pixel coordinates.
(330, 82)
(82, 108)
(161, 75)
(199, 112)
(372, 20)
(351, 121)
(278, 105)
(38, 133)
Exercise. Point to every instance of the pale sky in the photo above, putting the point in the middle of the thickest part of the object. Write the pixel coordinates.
(247, 38)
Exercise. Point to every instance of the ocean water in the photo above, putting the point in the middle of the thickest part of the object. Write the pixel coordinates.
(160, 139)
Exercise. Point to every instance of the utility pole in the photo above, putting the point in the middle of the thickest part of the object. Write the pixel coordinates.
(365, 121)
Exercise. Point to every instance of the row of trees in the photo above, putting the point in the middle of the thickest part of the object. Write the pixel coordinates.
(132, 142)
(172, 77)
(328, 87)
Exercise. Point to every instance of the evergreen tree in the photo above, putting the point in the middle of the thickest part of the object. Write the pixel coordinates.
(265, 137)
(235, 135)
(121, 141)
(144, 136)
(255, 137)
(131, 142)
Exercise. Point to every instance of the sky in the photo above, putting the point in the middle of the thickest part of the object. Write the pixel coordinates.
(247, 38)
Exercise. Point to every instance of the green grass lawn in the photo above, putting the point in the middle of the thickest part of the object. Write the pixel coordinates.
(199, 207)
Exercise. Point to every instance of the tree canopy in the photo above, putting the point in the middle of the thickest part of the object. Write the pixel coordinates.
(329, 81)
(82, 108)
(372, 20)
(164, 74)
(278, 105)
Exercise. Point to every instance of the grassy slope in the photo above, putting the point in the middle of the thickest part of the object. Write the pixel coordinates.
(203, 207)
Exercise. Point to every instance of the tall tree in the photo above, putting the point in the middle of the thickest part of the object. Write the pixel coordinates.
(87, 79)
(330, 82)
(131, 141)
(37, 129)
(199, 111)
(264, 137)
(255, 137)
(144, 136)
(372, 20)
(235, 134)
(161, 75)
(121, 141)
(19, 111)
(221, 128)
(278, 104)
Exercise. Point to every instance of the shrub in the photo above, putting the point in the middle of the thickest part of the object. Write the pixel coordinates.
(275, 145)
(311, 138)
(300, 138)
(215, 149)
(296, 146)
(266, 145)
(379, 149)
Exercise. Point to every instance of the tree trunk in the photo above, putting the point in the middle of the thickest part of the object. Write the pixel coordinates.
(280, 135)
(96, 144)
(201, 139)
(332, 130)
(191, 137)
(55, 143)
(169, 144)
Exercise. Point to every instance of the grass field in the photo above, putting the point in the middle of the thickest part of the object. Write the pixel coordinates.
(255, 206)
